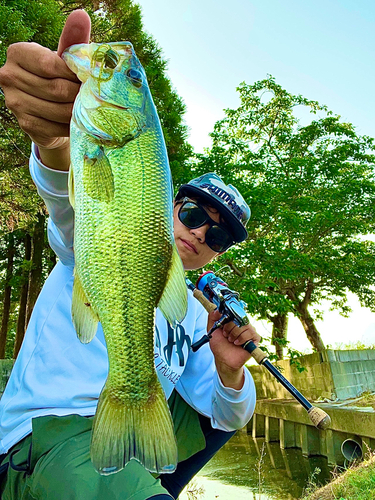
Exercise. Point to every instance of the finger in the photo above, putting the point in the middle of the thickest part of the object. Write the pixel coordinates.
(38, 61)
(21, 103)
(212, 318)
(234, 333)
(54, 90)
(246, 336)
(76, 30)
(247, 331)
(228, 329)
(42, 130)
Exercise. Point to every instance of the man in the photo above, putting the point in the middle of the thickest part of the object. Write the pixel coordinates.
(47, 408)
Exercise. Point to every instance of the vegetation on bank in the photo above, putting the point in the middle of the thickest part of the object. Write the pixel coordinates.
(356, 483)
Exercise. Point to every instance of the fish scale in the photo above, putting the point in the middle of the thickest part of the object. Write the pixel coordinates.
(126, 262)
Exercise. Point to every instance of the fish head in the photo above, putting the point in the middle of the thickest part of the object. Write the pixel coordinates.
(114, 104)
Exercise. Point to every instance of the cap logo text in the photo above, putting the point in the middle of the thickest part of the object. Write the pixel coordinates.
(226, 197)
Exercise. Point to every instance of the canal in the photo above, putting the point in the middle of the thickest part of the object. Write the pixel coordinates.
(250, 469)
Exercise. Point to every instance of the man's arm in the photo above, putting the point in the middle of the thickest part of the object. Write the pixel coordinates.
(209, 391)
(40, 90)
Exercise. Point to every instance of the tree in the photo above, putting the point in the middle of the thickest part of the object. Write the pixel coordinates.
(24, 292)
(311, 188)
(7, 295)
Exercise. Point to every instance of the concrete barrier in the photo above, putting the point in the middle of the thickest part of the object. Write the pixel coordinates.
(288, 423)
(332, 374)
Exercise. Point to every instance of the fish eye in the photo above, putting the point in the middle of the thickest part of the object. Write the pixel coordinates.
(105, 55)
(111, 59)
(135, 77)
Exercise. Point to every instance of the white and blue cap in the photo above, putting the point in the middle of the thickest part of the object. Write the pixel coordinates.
(224, 198)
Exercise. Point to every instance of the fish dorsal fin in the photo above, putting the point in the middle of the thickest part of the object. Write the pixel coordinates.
(85, 320)
(173, 302)
(97, 176)
(71, 187)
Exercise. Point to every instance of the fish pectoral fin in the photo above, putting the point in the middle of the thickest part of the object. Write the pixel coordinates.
(173, 302)
(71, 187)
(85, 320)
(98, 177)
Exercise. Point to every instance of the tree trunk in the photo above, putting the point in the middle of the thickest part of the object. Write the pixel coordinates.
(311, 331)
(279, 331)
(21, 321)
(7, 295)
(35, 276)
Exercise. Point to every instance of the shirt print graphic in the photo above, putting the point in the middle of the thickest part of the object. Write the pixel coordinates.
(174, 352)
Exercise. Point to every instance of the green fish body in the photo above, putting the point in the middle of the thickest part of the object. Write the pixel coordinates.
(126, 262)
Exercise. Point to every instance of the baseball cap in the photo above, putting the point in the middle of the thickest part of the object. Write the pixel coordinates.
(225, 198)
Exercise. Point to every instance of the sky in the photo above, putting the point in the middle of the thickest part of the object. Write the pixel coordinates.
(324, 50)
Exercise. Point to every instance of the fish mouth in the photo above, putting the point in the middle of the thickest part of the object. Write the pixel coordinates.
(109, 103)
(189, 245)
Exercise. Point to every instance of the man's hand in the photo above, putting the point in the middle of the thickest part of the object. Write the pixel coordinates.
(40, 89)
(226, 347)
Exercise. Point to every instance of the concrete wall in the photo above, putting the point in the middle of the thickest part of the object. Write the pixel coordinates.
(330, 375)
(353, 372)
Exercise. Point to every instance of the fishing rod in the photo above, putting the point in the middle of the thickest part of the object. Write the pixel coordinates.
(213, 294)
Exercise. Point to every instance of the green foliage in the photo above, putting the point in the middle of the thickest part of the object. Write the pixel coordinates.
(312, 193)
(292, 354)
(358, 346)
(21, 21)
(25, 21)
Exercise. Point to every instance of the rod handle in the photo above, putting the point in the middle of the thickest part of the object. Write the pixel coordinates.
(255, 351)
(209, 306)
(319, 418)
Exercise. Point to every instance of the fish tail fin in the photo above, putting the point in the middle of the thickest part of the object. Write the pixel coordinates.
(144, 432)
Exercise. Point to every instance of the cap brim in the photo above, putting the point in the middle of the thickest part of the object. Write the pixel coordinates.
(238, 230)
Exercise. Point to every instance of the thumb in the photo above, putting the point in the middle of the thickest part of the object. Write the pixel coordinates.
(76, 30)
(212, 317)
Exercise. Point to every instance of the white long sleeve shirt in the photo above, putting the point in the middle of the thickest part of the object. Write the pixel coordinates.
(55, 374)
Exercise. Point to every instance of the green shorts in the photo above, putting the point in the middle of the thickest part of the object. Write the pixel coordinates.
(54, 461)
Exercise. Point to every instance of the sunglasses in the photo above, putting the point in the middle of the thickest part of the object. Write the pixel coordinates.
(193, 215)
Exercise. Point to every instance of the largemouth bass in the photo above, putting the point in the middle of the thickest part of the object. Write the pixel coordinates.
(126, 261)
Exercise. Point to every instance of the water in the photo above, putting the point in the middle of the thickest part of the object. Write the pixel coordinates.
(250, 469)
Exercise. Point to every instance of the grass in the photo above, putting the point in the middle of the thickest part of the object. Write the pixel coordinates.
(352, 346)
(367, 399)
(356, 483)
(193, 490)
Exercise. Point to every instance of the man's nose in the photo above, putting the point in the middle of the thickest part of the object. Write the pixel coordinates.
(200, 232)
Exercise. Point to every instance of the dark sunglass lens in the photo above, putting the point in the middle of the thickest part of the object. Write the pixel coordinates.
(218, 239)
(192, 216)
